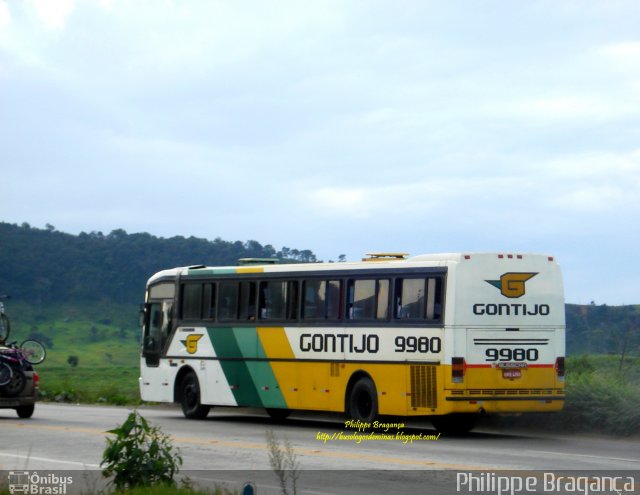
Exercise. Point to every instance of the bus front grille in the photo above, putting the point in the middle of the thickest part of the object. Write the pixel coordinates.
(424, 392)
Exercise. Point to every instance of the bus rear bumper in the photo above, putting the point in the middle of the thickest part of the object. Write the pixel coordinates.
(542, 403)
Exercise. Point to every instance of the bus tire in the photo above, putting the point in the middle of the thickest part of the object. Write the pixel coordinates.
(25, 412)
(278, 414)
(455, 424)
(192, 408)
(363, 401)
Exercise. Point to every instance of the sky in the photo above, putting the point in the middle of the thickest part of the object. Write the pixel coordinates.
(343, 127)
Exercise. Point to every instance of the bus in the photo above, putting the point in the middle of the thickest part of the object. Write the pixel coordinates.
(449, 336)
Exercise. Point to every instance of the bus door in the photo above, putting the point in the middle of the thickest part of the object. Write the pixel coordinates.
(157, 325)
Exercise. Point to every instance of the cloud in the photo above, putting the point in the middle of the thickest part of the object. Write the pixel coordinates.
(5, 15)
(572, 107)
(54, 13)
(599, 183)
(626, 53)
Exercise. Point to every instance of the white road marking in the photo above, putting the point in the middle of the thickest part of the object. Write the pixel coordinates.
(83, 465)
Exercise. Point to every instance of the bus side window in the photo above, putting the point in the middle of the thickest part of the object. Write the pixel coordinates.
(361, 299)
(191, 301)
(292, 300)
(418, 298)
(278, 300)
(382, 299)
(273, 300)
(410, 298)
(368, 299)
(228, 301)
(209, 302)
(314, 292)
(334, 299)
(434, 298)
(247, 301)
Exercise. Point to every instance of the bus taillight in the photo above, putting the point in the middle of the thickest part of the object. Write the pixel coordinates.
(458, 369)
(560, 368)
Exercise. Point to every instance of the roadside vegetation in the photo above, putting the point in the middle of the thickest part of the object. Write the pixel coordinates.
(603, 398)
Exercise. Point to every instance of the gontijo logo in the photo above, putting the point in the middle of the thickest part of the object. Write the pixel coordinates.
(191, 343)
(511, 284)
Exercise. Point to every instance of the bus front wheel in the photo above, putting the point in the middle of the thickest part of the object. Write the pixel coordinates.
(190, 398)
(363, 401)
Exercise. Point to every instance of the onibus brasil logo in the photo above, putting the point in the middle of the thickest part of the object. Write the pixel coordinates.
(512, 284)
(38, 484)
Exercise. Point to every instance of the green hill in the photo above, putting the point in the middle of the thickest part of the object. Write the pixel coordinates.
(43, 266)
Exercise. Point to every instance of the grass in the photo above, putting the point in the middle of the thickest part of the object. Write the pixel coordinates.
(116, 385)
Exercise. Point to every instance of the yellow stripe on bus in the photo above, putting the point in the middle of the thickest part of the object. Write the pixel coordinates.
(276, 346)
(250, 269)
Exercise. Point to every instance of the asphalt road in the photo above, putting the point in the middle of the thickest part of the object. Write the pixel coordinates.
(230, 448)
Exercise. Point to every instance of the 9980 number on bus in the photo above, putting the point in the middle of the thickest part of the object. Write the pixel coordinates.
(418, 344)
(507, 354)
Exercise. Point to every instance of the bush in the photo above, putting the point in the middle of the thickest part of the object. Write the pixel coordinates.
(604, 403)
(140, 455)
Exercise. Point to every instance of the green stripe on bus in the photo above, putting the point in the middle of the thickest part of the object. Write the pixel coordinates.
(234, 368)
(264, 379)
(211, 271)
(253, 382)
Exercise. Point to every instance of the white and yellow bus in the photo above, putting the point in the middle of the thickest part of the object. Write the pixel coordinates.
(450, 336)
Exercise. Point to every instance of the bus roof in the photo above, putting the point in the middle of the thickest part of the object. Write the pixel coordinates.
(382, 260)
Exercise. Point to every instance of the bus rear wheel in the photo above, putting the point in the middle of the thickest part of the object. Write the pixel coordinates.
(363, 401)
(192, 408)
